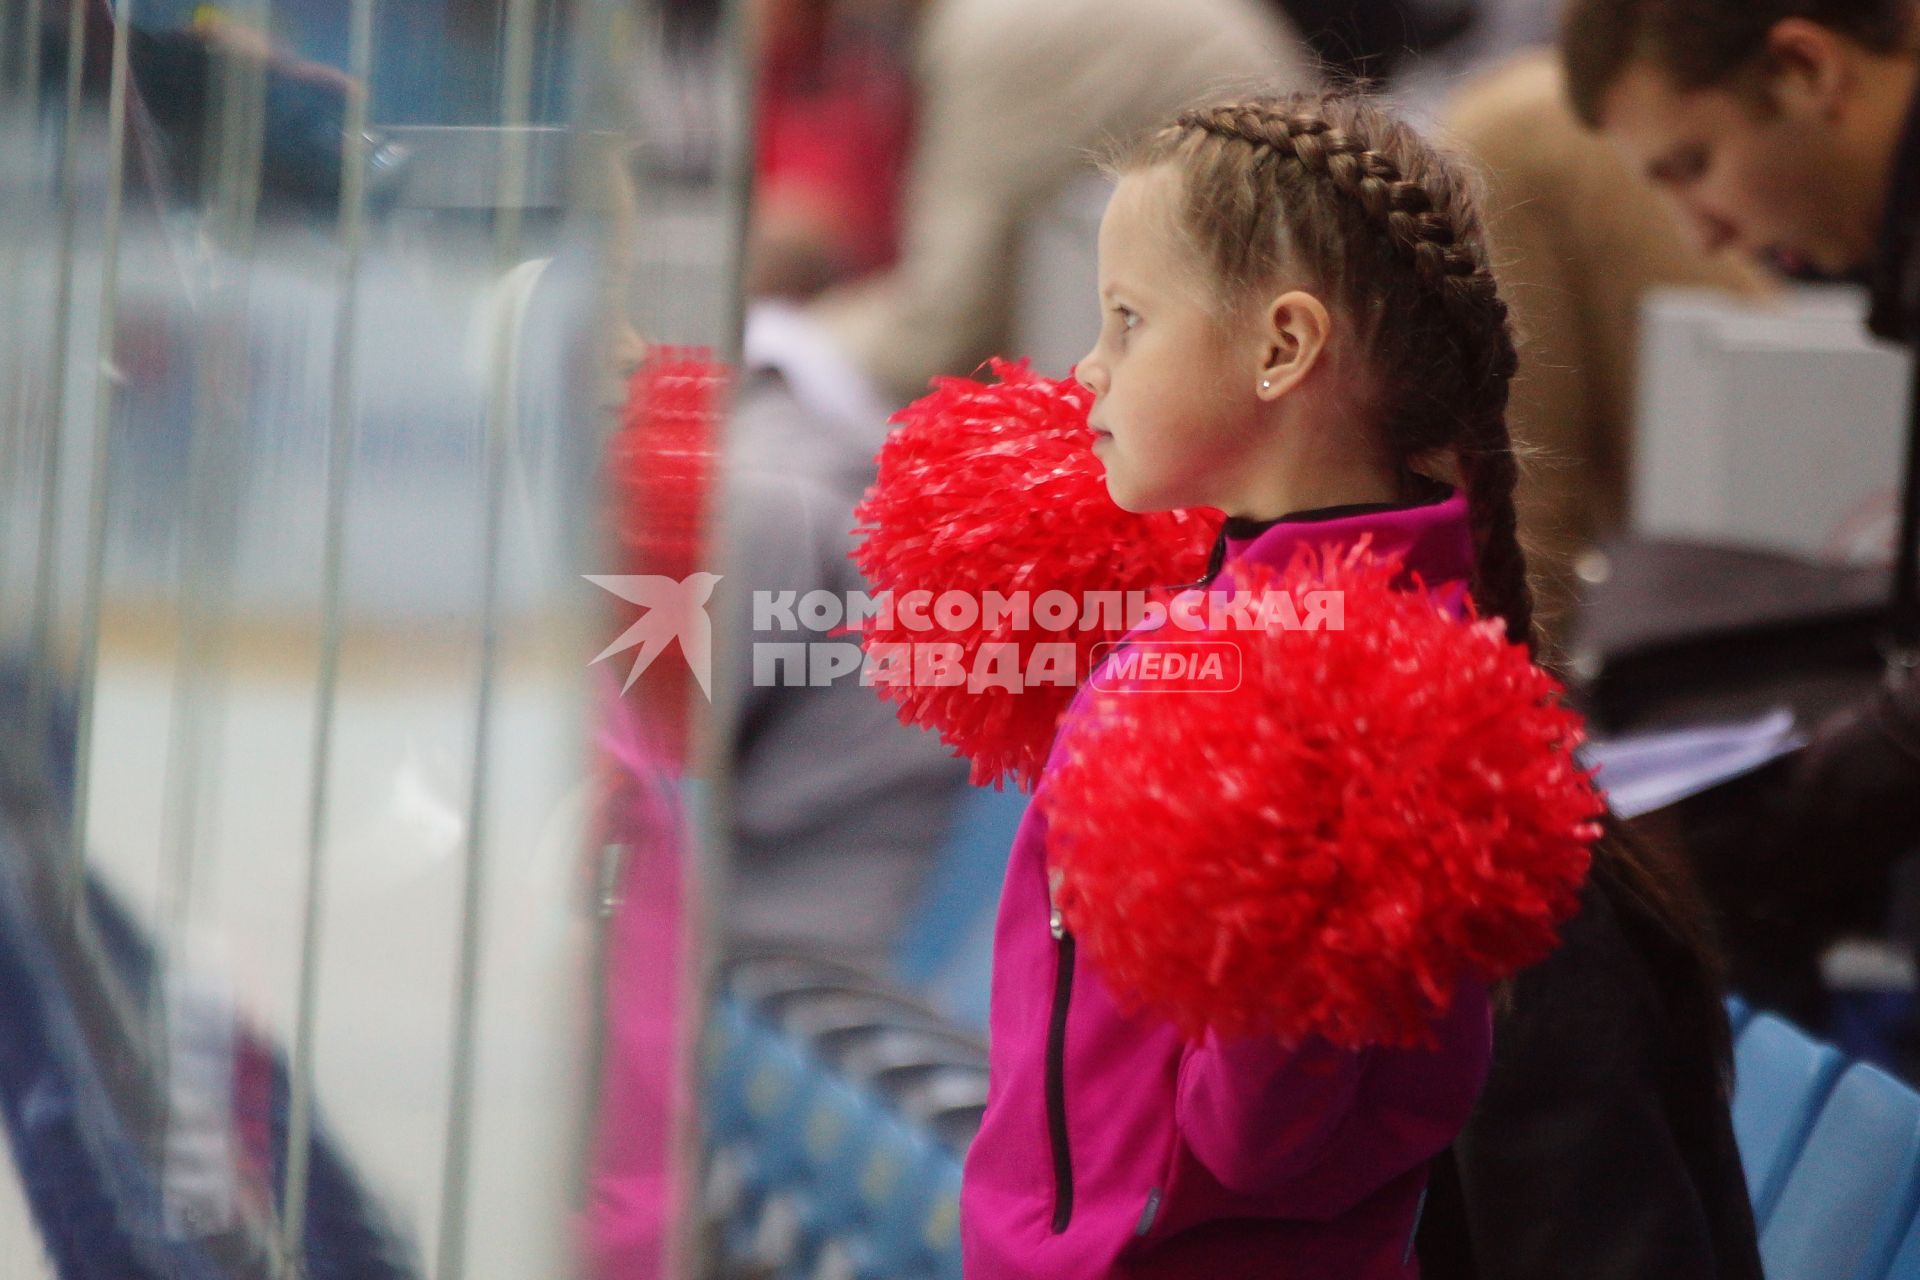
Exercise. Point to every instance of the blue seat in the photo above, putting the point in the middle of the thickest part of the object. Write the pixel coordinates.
(909, 1186)
(965, 885)
(893, 1205)
(812, 1129)
(839, 1123)
(827, 1150)
(1906, 1262)
(1780, 1079)
(1738, 1012)
(754, 1079)
(726, 1064)
(1852, 1191)
(841, 1137)
(940, 1229)
(778, 1080)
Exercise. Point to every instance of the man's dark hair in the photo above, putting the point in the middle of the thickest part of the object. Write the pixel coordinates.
(1702, 43)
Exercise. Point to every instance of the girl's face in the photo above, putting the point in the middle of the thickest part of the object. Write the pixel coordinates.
(1175, 411)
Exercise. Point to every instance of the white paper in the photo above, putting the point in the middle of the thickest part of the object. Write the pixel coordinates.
(1648, 771)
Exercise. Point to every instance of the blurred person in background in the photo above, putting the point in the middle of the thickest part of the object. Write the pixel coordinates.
(1592, 1151)
(1011, 100)
(1789, 131)
(837, 107)
(835, 123)
(837, 808)
(1579, 240)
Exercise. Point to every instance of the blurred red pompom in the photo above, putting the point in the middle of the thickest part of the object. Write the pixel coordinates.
(993, 487)
(662, 462)
(1373, 814)
(662, 458)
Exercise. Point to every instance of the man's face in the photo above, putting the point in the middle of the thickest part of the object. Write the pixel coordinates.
(1754, 177)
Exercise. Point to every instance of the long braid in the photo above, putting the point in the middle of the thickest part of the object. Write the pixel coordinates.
(1490, 472)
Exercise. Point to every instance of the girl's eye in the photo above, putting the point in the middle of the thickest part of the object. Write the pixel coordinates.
(1128, 318)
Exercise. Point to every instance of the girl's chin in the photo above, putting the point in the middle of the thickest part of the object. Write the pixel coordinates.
(1129, 496)
(1127, 500)
(1118, 492)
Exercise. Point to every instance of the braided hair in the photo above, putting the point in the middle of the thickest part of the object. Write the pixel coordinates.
(1332, 188)
(1329, 191)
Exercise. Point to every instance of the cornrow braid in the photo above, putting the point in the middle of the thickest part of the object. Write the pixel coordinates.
(1402, 209)
(1330, 184)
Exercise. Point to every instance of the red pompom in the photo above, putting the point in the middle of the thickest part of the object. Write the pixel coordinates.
(1375, 813)
(994, 487)
(662, 458)
(662, 463)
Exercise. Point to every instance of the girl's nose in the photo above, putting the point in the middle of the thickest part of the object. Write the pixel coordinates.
(1089, 374)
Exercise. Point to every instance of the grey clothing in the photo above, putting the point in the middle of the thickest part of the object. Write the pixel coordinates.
(837, 808)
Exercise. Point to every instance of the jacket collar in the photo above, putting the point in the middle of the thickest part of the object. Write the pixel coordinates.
(1432, 538)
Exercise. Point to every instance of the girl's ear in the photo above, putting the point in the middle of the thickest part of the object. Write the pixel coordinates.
(1294, 335)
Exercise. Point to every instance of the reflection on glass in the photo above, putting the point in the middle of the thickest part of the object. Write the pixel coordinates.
(340, 900)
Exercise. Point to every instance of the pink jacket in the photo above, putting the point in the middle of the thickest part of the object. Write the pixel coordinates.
(1112, 1147)
(634, 1200)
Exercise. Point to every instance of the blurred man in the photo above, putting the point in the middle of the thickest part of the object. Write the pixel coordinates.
(1779, 126)
(1789, 130)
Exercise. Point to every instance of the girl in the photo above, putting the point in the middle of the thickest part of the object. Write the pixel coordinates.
(1300, 327)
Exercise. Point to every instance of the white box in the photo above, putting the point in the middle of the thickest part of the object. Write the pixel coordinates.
(1777, 426)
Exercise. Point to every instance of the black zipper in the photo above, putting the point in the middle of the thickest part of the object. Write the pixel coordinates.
(1057, 1075)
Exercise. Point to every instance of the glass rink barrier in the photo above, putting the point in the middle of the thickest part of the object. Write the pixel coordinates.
(349, 912)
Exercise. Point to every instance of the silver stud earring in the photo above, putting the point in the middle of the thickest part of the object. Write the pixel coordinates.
(1266, 384)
